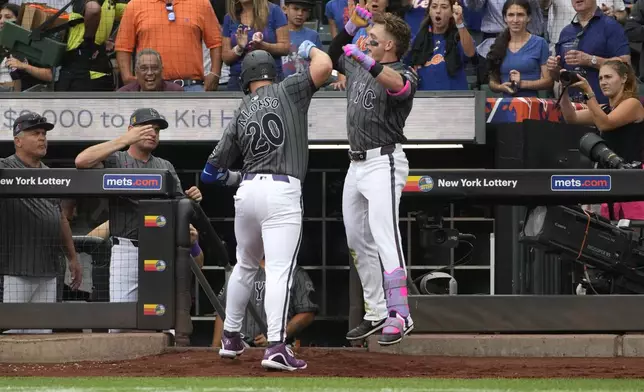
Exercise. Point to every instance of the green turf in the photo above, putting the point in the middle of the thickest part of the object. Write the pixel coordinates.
(229, 384)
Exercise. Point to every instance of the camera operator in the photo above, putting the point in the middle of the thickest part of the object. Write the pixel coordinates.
(620, 122)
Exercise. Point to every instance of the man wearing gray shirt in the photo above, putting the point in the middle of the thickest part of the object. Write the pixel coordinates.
(380, 93)
(34, 232)
(141, 138)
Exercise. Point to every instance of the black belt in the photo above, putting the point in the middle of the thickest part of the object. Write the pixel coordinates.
(185, 82)
(116, 241)
(362, 155)
(275, 177)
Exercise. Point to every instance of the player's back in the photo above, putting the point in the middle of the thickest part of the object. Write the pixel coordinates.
(272, 127)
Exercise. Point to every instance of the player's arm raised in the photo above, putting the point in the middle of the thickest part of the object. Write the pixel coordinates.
(320, 66)
(359, 18)
(93, 157)
(398, 84)
(223, 156)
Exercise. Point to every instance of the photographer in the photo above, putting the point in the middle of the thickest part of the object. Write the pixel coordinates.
(620, 122)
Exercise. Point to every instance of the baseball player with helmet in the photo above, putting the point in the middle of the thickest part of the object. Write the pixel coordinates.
(269, 130)
(380, 92)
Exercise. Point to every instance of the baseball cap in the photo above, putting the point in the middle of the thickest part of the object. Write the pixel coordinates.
(309, 3)
(147, 116)
(31, 121)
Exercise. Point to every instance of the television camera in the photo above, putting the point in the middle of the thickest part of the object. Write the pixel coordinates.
(615, 253)
(434, 234)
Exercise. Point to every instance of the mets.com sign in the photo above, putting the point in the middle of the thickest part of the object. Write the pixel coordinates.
(433, 118)
(132, 182)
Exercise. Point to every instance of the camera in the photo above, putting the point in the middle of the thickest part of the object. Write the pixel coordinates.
(570, 77)
(432, 232)
(595, 148)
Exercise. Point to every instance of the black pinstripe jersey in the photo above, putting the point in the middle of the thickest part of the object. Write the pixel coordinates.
(270, 130)
(123, 211)
(30, 233)
(374, 117)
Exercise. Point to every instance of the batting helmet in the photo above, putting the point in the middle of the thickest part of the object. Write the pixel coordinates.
(257, 65)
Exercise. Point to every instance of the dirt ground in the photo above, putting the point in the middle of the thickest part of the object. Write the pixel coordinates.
(337, 362)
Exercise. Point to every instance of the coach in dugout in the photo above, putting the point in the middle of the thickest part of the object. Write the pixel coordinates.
(34, 232)
(141, 138)
(301, 309)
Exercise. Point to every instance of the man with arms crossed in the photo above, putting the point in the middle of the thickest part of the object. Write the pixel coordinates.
(141, 138)
(34, 231)
(380, 92)
(269, 131)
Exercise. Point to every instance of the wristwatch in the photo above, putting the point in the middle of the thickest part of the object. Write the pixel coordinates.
(588, 96)
(593, 60)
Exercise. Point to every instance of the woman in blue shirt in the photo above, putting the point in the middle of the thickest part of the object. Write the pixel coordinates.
(250, 25)
(517, 59)
(440, 48)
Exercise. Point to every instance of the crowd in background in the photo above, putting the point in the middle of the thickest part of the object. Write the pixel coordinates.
(500, 46)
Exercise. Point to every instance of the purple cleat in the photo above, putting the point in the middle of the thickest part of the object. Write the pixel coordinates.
(280, 357)
(232, 345)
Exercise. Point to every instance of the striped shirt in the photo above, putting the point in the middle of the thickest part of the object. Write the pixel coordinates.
(374, 117)
(30, 233)
(270, 130)
(124, 212)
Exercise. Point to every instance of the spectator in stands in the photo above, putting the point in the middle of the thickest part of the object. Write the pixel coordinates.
(297, 12)
(337, 12)
(176, 31)
(101, 73)
(441, 48)
(34, 231)
(561, 12)
(141, 139)
(517, 59)
(249, 25)
(82, 50)
(148, 70)
(620, 122)
(493, 24)
(301, 310)
(16, 75)
(586, 43)
(635, 30)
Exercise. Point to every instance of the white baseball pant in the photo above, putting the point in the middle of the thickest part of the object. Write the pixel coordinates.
(268, 222)
(124, 273)
(370, 207)
(25, 289)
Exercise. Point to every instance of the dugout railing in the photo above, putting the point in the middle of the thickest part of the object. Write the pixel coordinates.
(167, 240)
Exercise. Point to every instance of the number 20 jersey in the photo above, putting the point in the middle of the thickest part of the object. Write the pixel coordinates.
(270, 130)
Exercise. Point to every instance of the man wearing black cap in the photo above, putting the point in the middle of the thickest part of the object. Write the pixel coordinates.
(31, 257)
(142, 137)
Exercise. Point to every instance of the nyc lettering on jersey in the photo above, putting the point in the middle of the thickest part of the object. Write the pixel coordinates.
(362, 95)
(255, 106)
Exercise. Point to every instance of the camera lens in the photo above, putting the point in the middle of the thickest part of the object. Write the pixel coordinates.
(440, 236)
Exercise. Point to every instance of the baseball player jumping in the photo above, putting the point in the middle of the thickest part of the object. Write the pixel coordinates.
(269, 130)
(380, 92)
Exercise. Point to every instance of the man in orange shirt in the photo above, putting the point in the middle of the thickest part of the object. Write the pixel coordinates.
(175, 29)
